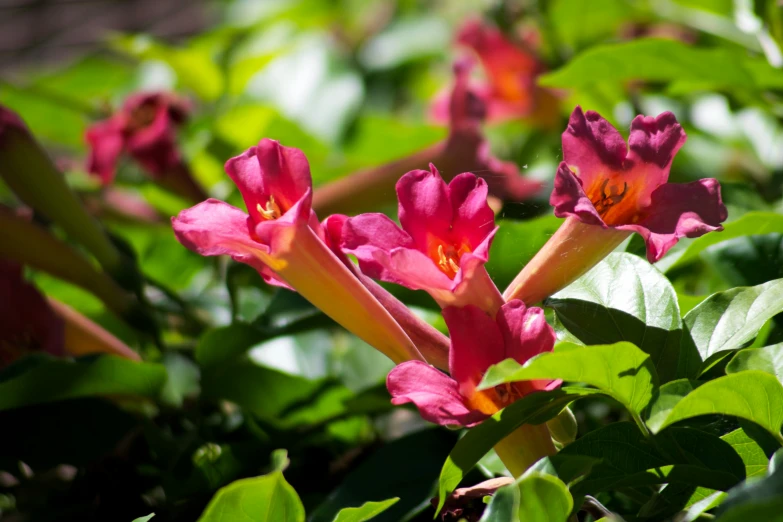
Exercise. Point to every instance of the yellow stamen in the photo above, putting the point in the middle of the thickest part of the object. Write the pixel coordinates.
(603, 203)
(447, 261)
(271, 211)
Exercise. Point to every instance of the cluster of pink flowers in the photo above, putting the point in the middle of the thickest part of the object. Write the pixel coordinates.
(441, 246)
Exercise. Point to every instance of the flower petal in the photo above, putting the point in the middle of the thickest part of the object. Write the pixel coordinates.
(371, 238)
(592, 145)
(680, 210)
(655, 140)
(435, 394)
(424, 207)
(569, 198)
(215, 228)
(473, 219)
(525, 331)
(271, 170)
(106, 143)
(476, 344)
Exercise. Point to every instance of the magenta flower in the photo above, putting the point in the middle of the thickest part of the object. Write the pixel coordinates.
(281, 238)
(27, 322)
(145, 129)
(602, 182)
(477, 342)
(608, 190)
(442, 245)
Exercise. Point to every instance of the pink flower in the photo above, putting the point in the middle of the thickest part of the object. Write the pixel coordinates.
(607, 191)
(477, 342)
(281, 238)
(27, 322)
(605, 183)
(145, 128)
(510, 90)
(442, 245)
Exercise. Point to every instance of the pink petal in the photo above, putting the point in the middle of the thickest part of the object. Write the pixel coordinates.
(473, 219)
(424, 207)
(106, 142)
(476, 344)
(215, 228)
(569, 198)
(656, 140)
(435, 394)
(271, 170)
(412, 269)
(155, 146)
(680, 210)
(371, 238)
(592, 145)
(525, 331)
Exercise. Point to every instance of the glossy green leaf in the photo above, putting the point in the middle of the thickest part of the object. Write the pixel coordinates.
(748, 260)
(145, 519)
(543, 498)
(261, 499)
(752, 223)
(727, 320)
(625, 298)
(663, 61)
(366, 511)
(767, 359)
(697, 509)
(757, 500)
(406, 468)
(532, 409)
(504, 505)
(50, 380)
(620, 370)
(753, 457)
(628, 459)
(752, 395)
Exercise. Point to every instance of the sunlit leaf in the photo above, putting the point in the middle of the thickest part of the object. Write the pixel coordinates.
(262, 499)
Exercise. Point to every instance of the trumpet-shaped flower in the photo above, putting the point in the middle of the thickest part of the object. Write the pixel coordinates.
(608, 190)
(281, 238)
(145, 128)
(442, 245)
(477, 342)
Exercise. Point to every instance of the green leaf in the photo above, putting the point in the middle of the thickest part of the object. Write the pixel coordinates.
(660, 60)
(50, 380)
(748, 260)
(757, 500)
(367, 511)
(504, 505)
(532, 409)
(625, 298)
(767, 359)
(695, 511)
(578, 23)
(752, 223)
(144, 519)
(515, 244)
(261, 499)
(274, 396)
(752, 395)
(406, 468)
(543, 498)
(620, 370)
(666, 398)
(753, 457)
(727, 320)
(628, 459)
(182, 381)
(223, 344)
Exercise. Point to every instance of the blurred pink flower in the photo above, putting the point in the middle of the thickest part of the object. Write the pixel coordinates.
(281, 238)
(510, 90)
(477, 342)
(145, 128)
(443, 243)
